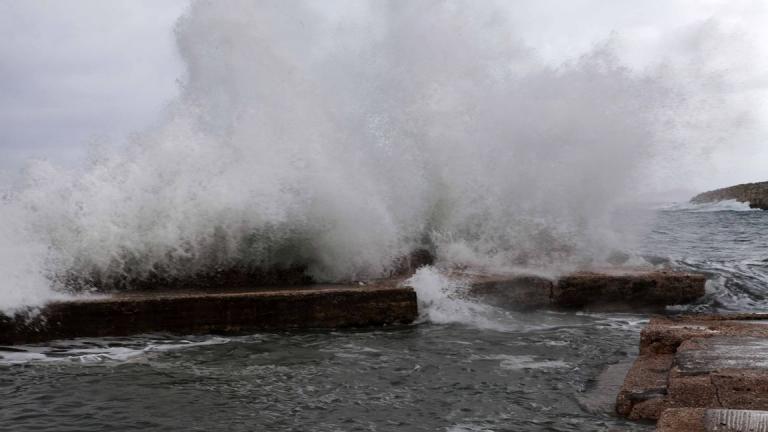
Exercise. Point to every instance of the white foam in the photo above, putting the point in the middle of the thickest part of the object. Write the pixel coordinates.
(518, 362)
(465, 427)
(718, 206)
(83, 351)
(442, 300)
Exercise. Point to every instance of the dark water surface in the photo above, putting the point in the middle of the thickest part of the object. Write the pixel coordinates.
(418, 378)
(731, 247)
(501, 372)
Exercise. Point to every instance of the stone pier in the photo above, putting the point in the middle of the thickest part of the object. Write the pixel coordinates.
(199, 312)
(383, 302)
(694, 369)
(602, 290)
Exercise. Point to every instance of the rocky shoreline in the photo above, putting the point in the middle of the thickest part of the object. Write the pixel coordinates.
(756, 194)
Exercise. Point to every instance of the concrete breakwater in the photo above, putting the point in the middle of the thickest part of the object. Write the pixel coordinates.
(756, 194)
(200, 312)
(598, 290)
(377, 303)
(700, 373)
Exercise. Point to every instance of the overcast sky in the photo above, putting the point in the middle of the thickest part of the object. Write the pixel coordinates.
(78, 71)
(75, 71)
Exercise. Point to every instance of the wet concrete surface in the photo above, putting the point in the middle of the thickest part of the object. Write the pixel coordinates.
(704, 362)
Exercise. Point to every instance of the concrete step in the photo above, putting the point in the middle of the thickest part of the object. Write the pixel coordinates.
(598, 290)
(199, 312)
(710, 361)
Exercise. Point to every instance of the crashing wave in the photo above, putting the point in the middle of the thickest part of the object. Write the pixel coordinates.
(329, 145)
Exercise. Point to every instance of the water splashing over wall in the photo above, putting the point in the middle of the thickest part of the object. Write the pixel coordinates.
(336, 144)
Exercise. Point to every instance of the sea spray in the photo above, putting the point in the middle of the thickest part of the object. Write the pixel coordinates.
(444, 299)
(22, 263)
(441, 299)
(338, 143)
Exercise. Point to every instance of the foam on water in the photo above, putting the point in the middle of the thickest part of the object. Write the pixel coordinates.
(341, 141)
(99, 351)
(725, 205)
(517, 362)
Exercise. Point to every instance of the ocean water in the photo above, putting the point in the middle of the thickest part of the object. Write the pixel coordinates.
(424, 377)
(726, 241)
(463, 367)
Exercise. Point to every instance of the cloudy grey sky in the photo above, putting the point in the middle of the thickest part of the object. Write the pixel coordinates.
(78, 71)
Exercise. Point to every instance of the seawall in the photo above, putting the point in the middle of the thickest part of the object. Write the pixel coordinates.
(234, 311)
(378, 303)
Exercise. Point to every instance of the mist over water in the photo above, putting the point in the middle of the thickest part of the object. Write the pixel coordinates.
(342, 141)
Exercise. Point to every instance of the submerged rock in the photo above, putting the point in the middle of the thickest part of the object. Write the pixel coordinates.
(756, 194)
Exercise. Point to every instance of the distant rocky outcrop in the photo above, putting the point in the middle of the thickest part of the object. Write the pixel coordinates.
(756, 194)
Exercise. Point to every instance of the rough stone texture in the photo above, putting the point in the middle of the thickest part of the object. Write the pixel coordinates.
(709, 361)
(615, 290)
(664, 335)
(627, 289)
(702, 420)
(756, 194)
(513, 292)
(643, 395)
(330, 306)
(681, 420)
(721, 371)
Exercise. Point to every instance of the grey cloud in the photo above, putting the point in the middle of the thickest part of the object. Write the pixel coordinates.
(73, 70)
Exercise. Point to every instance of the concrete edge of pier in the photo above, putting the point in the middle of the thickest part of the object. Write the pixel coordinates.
(613, 290)
(375, 303)
(700, 367)
(320, 306)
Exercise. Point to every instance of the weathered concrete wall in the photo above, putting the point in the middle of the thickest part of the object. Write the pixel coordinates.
(215, 312)
(606, 290)
(627, 289)
(717, 361)
(523, 292)
(756, 194)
